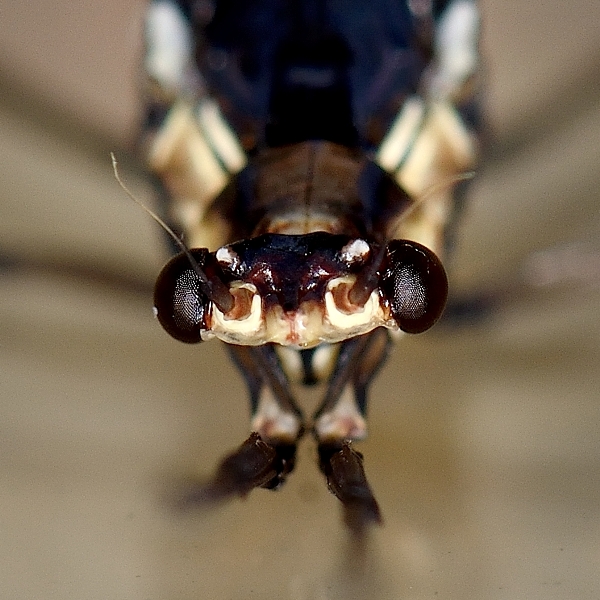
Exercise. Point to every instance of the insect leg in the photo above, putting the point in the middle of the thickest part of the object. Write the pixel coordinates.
(275, 415)
(341, 418)
(341, 415)
(268, 455)
(346, 479)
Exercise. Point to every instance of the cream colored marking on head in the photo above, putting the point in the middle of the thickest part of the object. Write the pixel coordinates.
(343, 422)
(344, 320)
(355, 250)
(249, 326)
(301, 329)
(272, 422)
(310, 325)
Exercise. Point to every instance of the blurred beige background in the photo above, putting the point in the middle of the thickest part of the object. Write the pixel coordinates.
(484, 450)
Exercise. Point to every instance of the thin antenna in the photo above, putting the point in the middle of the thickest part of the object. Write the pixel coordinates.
(149, 211)
(435, 188)
(367, 280)
(214, 289)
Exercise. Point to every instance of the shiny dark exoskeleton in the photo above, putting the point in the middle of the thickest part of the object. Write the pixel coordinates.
(308, 152)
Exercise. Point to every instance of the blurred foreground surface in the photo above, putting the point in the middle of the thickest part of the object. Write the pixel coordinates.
(484, 448)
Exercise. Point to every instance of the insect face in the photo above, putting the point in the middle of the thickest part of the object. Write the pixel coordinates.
(301, 290)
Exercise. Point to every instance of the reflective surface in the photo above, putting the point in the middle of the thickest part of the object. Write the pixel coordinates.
(484, 439)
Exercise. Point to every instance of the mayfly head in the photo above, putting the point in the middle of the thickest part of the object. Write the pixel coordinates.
(300, 290)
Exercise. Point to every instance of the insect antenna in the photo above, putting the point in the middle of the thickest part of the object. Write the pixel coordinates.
(434, 188)
(367, 280)
(213, 288)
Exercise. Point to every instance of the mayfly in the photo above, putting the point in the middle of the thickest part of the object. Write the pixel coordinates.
(307, 154)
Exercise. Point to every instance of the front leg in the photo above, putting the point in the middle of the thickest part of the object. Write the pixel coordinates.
(341, 415)
(268, 455)
(275, 414)
(341, 419)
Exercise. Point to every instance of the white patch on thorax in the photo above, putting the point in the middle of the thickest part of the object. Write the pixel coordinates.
(169, 43)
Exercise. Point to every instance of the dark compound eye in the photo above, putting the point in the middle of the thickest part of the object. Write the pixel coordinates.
(180, 306)
(415, 284)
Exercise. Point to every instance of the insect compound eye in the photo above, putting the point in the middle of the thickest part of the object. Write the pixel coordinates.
(415, 284)
(179, 303)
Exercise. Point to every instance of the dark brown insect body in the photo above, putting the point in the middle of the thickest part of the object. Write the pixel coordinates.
(305, 151)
